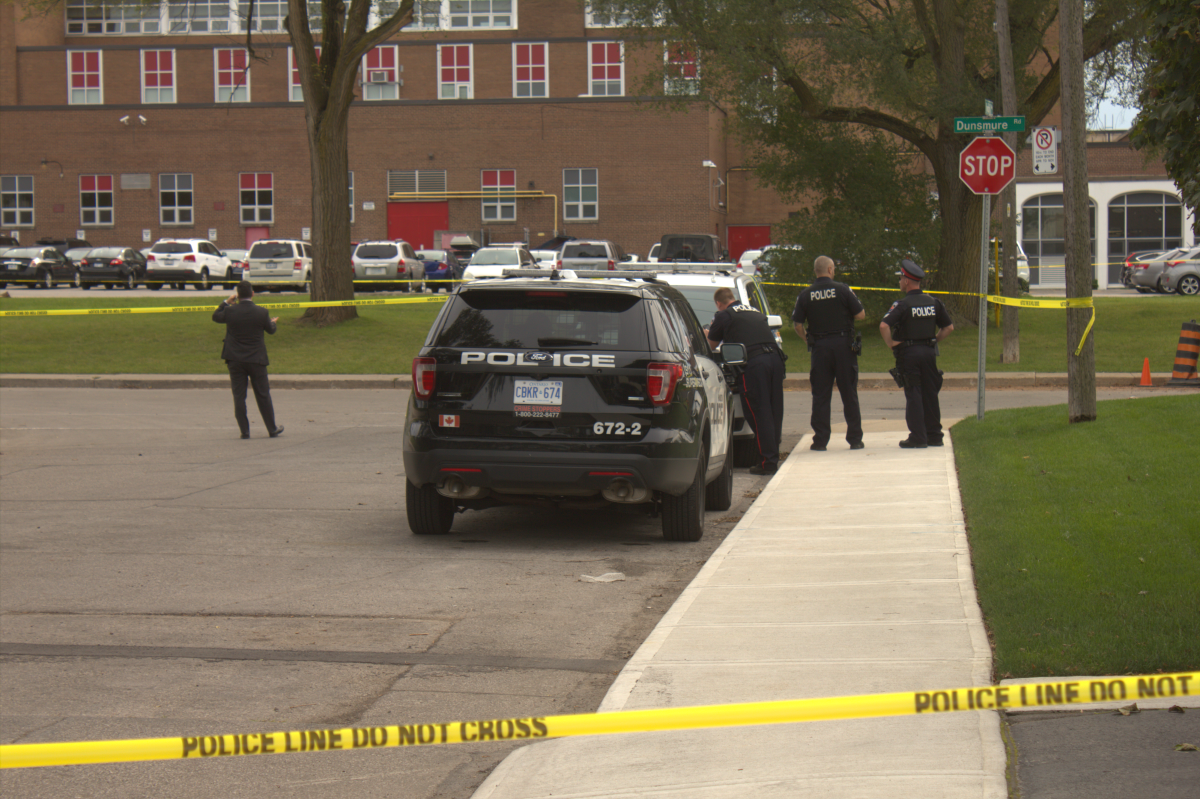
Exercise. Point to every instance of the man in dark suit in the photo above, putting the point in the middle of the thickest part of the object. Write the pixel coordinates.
(245, 353)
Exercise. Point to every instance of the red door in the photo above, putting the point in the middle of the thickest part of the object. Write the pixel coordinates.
(747, 237)
(416, 223)
(254, 234)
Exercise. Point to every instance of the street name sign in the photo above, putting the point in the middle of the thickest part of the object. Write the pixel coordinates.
(989, 124)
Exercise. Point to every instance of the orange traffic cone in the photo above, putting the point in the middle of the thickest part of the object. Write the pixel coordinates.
(1146, 373)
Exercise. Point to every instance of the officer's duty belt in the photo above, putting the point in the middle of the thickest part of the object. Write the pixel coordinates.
(928, 342)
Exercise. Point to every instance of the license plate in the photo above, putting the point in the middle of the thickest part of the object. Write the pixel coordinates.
(537, 392)
(376, 270)
(168, 262)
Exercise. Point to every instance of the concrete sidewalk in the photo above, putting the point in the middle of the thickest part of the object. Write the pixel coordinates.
(849, 575)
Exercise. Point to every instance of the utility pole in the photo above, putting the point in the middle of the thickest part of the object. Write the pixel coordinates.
(1011, 351)
(1081, 365)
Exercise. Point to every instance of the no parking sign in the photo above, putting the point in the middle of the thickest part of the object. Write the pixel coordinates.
(1045, 151)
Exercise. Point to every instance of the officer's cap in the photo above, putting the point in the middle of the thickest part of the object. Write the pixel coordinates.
(911, 271)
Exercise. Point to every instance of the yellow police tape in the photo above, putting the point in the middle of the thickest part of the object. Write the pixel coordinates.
(209, 308)
(1056, 693)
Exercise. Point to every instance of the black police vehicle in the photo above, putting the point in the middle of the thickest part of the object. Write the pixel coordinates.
(578, 390)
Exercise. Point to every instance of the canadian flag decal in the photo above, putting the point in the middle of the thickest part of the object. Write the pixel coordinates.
(448, 420)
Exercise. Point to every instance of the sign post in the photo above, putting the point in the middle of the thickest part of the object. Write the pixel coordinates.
(986, 165)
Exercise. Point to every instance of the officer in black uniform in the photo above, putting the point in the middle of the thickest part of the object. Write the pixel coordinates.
(912, 327)
(830, 309)
(762, 378)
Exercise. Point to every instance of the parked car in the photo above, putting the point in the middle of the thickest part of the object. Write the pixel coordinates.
(178, 262)
(392, 261)
(746, 261)
(274, 264)
(112, 266)
(492, 261)
(8, 242)
(590, 254)
(1131, 262)
(654, 251)
(441, 267)
(62, 245)
(1146, 273)
(464, 248)
(237, 266)
(37, 267)
(698, 286)
(569, 393)
(76, 253)
(1182, 275)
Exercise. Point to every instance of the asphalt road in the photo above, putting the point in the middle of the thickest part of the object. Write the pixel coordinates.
(160, 577)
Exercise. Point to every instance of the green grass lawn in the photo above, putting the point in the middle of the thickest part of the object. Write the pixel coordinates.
(384, 339)
(1085, 538)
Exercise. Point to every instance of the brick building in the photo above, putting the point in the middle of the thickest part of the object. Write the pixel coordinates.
(128, 123)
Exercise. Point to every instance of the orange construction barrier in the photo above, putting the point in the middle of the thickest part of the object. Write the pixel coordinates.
(1184, 373)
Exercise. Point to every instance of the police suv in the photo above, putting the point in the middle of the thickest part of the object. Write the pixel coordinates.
(577, 390)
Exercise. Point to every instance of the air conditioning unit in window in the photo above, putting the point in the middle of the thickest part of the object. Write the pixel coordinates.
(379, 76)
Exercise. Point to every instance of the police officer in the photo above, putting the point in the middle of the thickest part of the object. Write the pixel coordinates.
(830, 309)
(762, 378)
(912, 327)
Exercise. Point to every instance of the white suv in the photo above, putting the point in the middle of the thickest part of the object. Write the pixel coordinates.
(178, 262)
(275, 263)
(392, 261)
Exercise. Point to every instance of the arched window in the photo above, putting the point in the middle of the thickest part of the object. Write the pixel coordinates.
(1143, 220)
(1043, 237)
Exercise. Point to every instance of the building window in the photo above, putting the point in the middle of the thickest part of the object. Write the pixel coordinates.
(454, 72)
(16, 200)
(606, 66)
(198, 16)
(581, 194)
(268, 15)
(158, 76)
(481, 13)
(608, 19)
(85, 17)
(1043, 238)
(297, 91)
(499, 182)
(232, 66)
(529, 70)
(1146, 220)
(96, 199)
(682, 72)
(85, 78)
(381, 74)
(257, 198)
(175, 199)
(350, 188)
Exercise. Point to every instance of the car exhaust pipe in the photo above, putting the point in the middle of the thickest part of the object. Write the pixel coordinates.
(454, 487)
(623, 491)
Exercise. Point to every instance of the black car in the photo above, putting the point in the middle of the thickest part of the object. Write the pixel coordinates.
(37, 267)
(570, 392)
(112, 266)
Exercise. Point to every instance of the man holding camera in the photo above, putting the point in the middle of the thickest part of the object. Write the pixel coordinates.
(830, 309)
(245, 353)
(912, 327)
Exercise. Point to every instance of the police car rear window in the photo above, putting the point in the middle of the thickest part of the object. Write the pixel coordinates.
(376, 251)
(271, 249)
(544, 319)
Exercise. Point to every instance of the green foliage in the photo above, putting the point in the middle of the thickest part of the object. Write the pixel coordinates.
(1083, 536)
(1169, 122)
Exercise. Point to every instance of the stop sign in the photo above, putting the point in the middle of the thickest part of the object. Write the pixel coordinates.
(987, 165)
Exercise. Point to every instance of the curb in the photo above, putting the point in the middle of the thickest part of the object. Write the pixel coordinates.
(867, 381)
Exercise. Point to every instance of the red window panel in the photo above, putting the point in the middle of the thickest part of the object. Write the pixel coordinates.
(256, 180)
(606, 61)
(682, 61)
(499, 179)
(230, 66)
(531, 62)
(456, 64)
(85, 70)
(159, 68)
(95, 182)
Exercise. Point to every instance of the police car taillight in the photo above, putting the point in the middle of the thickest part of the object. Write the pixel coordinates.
(424, 377)
(612, 265)
(660, 382)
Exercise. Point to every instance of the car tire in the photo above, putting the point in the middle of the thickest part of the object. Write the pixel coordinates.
(108, 286)
(202, 284)
(1160, 288)
(77, 279)
(230, 283)
(429, 513)
(305, 287)
(1142, 290)
(745, 452)
(154, 286)
(1189, 285)
(683, 516)
(181, 286)
(130, 282)
(47, 280)
(85, 286)
(719, 493)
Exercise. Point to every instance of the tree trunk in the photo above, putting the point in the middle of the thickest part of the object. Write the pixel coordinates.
(333, 276)
(1011, 350)
(1081, 368)
(958, 251)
